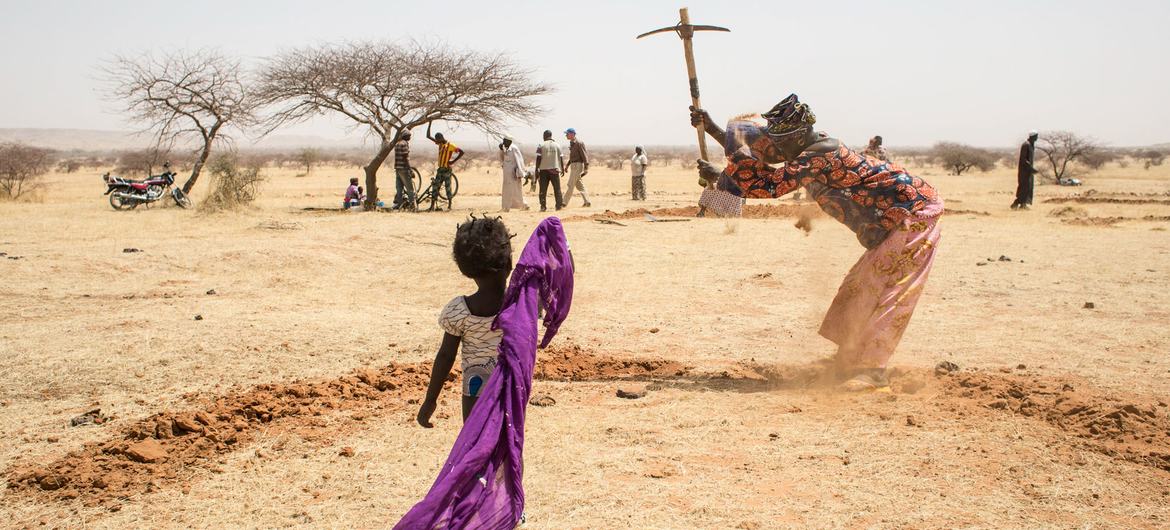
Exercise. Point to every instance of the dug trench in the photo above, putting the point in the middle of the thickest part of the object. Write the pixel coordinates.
(166, 449)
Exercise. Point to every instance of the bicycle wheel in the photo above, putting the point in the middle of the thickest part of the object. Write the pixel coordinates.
(454, 189)
(418, 181)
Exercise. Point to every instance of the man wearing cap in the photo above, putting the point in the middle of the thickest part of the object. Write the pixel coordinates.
(1025, 173)
(578, 166)
(549, 165)
(512, 194)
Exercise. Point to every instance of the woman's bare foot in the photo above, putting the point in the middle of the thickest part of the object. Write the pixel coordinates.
(868, 379)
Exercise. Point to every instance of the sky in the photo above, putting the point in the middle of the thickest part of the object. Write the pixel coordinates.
(914, 71)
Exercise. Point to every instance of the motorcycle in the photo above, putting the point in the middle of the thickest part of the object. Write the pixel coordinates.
(126, 194)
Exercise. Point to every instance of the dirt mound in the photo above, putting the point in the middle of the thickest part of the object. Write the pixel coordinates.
(1131, 428)
(750, 211)
(960, 211)
(1069, 211)
(571, 362)
(1110, 221)
(164, 448)
(1104, 200)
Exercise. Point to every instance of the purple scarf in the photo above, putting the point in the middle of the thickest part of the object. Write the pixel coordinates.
(480, 485)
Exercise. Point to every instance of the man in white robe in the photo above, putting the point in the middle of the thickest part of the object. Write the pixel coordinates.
(512, 161)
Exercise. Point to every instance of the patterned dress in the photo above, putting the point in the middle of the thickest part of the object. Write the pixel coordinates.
(480, 343)
(894, 215)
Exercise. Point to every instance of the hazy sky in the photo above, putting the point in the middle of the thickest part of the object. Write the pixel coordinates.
(915, 71)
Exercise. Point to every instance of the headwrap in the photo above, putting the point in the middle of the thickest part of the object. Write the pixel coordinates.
(481, 484)
(643, 151)
(789, 118)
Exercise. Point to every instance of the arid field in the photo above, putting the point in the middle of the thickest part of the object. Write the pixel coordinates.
(283, 352)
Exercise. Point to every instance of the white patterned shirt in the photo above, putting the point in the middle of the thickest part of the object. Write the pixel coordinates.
(480, 344)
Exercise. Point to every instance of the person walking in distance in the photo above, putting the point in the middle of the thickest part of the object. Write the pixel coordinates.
(512, 187)
(549, 165)
(449, 153)
(578, 167)
(638, 165)
(1026, 173)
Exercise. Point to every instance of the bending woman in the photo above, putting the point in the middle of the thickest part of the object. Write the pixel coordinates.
(894, 214)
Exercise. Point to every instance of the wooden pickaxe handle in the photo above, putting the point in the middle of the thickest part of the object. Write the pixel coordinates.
(689, 50)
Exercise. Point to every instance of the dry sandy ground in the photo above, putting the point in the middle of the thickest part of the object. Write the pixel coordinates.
(737, 434)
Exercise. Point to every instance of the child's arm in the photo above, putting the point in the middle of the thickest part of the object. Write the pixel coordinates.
(444, 361)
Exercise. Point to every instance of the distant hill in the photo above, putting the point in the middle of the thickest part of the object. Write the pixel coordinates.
(98, 140)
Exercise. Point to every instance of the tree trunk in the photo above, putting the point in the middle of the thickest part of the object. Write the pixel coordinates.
(203, 155)
(372, 174)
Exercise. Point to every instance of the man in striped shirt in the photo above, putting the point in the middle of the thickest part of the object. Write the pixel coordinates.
(449, 153)
(404, 179)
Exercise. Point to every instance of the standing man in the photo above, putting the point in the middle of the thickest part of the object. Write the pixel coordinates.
(449, 153)
(1025, 173)
(549, 165)
(638, 174)
(512, 161)
(578, 166)
(404, 180)
(876, 150)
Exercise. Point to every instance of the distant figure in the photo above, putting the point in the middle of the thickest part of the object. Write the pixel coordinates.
(449, 153)
(403, 178)
(578, 167)
(876, 150)
(353, 195)
(549, 165)
(1026, 173)
(512, 162)
(638, 165)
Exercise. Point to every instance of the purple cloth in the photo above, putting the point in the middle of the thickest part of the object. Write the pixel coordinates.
(480, 485)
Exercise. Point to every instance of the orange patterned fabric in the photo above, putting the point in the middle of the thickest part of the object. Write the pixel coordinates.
(870, 196)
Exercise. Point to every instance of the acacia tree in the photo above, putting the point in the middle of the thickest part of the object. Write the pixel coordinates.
(387, 89)
(21, 167)
(1063, 150)
(183, 97)
(957, 158)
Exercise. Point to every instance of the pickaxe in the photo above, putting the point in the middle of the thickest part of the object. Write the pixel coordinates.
(686, 31)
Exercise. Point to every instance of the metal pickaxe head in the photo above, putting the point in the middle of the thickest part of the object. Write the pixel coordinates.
(684, 28)
(685, 31)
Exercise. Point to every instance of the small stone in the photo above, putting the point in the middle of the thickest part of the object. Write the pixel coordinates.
(198, 317)
(981, 263)
(543, 400)
(347, 452)
(945, 367)
(52, 482)
(911, 422)
(1021, 367)
(654, 330)
(632, 392)
(188, 424)
(211, 292)
(131, 250)
(147, 451)
(1004, 258)
(1089, 305)
(773, 436)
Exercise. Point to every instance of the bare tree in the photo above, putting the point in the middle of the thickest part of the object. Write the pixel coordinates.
(957, 158)
(387, 89)
(309, 157)
(1064, 150)
(142, 160)
(183, 97)
(1150, 157)
(21, 167)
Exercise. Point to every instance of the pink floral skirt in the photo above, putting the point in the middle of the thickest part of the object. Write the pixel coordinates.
(875, 302)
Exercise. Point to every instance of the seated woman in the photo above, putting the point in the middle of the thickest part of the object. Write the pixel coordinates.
(894, 215)
(353, 195)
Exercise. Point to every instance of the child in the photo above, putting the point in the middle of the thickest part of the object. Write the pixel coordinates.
(483, 252)
(353, 194)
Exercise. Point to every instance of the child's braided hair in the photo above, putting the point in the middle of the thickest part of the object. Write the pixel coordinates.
(482, 247)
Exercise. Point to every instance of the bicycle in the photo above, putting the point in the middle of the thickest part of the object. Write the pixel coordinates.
(435, 191)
